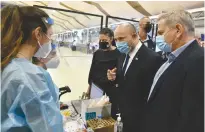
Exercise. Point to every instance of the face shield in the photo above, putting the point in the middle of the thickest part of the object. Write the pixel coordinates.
(52, 60)
(53, 57)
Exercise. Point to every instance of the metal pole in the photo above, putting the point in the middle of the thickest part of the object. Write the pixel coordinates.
(52, 8)
(101, 24)
(156, 31)
(106, 21)
(152, 31)
(123, 18)
(87, 35)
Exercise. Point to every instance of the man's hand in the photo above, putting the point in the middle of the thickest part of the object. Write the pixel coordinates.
(111, 74)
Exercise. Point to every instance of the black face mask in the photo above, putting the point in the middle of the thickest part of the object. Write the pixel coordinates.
(148, 27)
(104, 45)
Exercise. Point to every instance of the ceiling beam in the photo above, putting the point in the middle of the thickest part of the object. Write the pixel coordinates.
(24, 3)
(64, 20)
(200, 14)
(72, 18)
(63, 26)
(70, 8)
(62, 23)
(99, 7)
(41, 3)
(136, 5)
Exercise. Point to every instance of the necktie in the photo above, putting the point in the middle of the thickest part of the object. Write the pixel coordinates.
(125, 64)
(171, 57)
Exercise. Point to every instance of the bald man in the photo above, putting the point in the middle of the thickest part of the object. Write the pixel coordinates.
(144, 28)
(133, 75)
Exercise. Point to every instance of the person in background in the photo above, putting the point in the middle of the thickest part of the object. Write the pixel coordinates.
(39, 62)
(88, 47)
(103, 59)
(74, 43)
(176, 99)
(51, 61)
(133, 75)
(93, 47)
(28, 104)
(200, 41)
(144, 28)
(202, 44)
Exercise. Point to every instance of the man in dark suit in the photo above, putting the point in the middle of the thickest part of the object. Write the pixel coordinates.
(145, 27)
(133, 75)
(176, 98)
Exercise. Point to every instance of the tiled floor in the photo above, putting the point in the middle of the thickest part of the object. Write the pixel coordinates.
(73, 72)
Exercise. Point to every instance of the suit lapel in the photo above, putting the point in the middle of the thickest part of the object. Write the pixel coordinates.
(178, 62)
(120, 63)
(150, 43)
(136, 61)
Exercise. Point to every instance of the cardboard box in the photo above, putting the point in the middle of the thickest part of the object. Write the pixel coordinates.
(92, 113)
(102, 125)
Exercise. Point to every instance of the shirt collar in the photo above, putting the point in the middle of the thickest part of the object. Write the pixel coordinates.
(182, 48)
(135, 50)
(173, 55)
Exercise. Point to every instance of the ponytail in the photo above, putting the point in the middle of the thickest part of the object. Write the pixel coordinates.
(11, 33)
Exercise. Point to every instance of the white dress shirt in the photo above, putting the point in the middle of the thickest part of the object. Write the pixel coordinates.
(166, 65)
(157, 49)
(132, 55)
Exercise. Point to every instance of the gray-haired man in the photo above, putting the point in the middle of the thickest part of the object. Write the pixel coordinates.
(176, 98)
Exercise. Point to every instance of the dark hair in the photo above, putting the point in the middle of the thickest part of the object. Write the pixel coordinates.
(17, 24)
(37, 62)
(109, 33)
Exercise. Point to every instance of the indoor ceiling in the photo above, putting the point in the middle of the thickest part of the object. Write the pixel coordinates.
(65, 21)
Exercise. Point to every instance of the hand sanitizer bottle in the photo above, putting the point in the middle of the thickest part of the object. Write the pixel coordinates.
(118, 125)
(90, 130)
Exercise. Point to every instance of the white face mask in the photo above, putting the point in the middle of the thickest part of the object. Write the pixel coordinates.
(53, 63)
(44, 50)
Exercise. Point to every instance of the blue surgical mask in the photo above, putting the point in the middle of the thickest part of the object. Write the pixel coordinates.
(123, 47)
(162, 45)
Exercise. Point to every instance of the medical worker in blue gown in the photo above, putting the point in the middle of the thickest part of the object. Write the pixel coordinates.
(28, 103)
(52, 61)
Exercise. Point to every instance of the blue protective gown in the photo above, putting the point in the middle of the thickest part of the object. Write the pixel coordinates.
(29, 99)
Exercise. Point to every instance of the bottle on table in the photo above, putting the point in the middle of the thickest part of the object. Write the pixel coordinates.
(118, 127)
